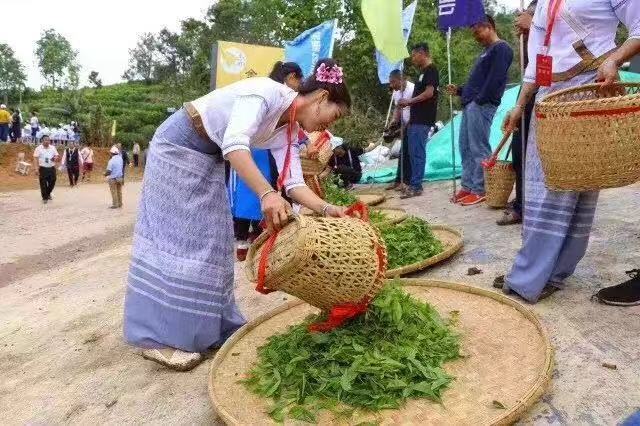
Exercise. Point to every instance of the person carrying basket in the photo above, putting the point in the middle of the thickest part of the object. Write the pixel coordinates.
(571, 43)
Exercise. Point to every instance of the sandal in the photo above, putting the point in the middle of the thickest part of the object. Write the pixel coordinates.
(509, 218)
(548, 290)
(174, 359)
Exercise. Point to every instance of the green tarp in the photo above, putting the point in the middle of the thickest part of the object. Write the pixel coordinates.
(439, 165)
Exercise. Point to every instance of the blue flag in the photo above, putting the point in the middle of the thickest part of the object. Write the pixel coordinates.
(459, 13)
(311, 45)
(384, 66)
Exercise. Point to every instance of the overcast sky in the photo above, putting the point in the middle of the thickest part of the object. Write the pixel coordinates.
(101, 31)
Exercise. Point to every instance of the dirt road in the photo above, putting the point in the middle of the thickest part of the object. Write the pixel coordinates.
(61, 349)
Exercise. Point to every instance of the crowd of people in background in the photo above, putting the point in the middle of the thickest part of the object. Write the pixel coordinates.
(14, 129)
(78, 163)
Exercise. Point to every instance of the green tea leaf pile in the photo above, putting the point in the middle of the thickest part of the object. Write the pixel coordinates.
(377, 217)
(409, 242)
(390, 354)
(335, 194)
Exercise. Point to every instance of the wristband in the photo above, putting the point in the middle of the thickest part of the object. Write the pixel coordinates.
(324, 210)
(267, 192)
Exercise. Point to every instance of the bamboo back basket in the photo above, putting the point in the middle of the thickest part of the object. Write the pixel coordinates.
(323, 261)
(589, 140)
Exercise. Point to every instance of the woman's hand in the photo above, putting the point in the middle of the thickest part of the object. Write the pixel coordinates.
(512, 120)
(608, 75)
(335, 211)
(275, 210)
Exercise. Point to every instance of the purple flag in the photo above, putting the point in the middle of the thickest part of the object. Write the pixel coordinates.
(459, 13)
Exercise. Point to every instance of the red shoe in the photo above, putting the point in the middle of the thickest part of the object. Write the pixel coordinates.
(472, 200)
(460, 195)
(241, 251)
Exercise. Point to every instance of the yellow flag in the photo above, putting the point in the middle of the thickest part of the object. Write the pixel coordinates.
(384, 19)
(113, 129)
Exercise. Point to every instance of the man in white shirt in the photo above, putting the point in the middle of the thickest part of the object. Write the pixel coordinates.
(136, 154)
(35, 126)
(402, 90)
(46, 155)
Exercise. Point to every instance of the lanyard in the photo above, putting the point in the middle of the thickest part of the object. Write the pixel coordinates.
(552, 14)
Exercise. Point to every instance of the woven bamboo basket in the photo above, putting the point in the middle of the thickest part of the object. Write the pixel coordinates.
(451, 239)
(498, 183)
(314, 184)
(323, 261)
(511, 364)
(393, 216)
(315, 158)
(588, 141)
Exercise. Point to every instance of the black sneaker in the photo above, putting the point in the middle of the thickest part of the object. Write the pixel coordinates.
(625, 294)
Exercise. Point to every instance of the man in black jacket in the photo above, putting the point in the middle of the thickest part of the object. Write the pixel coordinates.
(125, 159)
(71, 160)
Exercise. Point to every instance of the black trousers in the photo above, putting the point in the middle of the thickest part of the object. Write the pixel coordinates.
(516, 152)
(47, 181)
(136, 158)
(74, 173)
(348, 175)
(404, 162)
(241, 228)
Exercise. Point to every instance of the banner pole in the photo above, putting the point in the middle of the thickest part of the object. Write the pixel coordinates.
(453, 131)
(523, 152)
(377, 165)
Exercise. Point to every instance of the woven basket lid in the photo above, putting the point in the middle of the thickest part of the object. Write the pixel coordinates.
(371, 198)
(393, 215)
(451, 239)
(508, 359)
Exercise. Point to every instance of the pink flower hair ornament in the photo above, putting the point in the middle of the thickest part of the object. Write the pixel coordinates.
(331, 75)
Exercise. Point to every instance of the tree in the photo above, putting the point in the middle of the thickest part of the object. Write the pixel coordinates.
(95, 79)
(56, 58)
(12, 74)
(142, 59)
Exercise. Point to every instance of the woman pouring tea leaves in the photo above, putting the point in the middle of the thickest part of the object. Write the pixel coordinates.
(179, 301)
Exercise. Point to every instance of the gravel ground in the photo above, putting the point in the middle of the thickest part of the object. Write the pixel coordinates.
(62, 273)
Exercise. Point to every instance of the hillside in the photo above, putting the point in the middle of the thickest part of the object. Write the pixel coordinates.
(137, 107)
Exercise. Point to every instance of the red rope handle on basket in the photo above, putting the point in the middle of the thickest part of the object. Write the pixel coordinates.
(490, 162)
(268, 245)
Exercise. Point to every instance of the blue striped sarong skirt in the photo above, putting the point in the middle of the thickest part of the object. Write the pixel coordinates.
(180, 282)
(557, 225)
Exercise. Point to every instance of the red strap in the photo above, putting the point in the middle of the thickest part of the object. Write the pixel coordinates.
(268, 245)
(287, 159)
(552, 14)
(339, 315)
(321, 140)
(360, 208)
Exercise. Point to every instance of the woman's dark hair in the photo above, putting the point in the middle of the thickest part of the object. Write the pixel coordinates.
(282, 70)
(338, 92)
